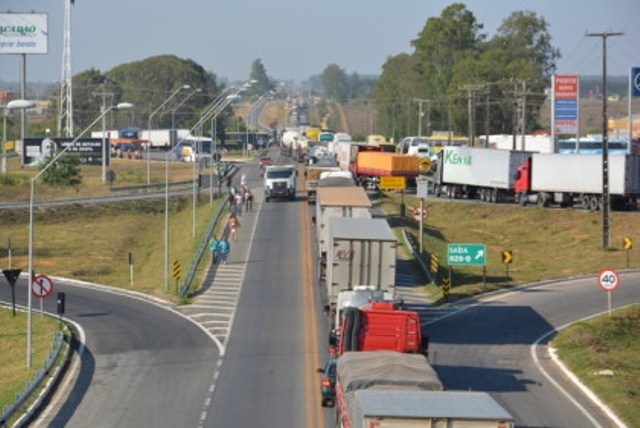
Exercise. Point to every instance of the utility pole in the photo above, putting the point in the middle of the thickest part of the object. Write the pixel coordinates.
(421, 115)
(606, 227)
(523, 111)
(65, 106)
(471, 90)
(105, 151)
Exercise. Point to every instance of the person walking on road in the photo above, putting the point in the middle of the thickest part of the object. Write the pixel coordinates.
(213, 247)
(234, 224)
(238, 197)
(232, 202)
(248, 200)
(224, 247)
(243, 180)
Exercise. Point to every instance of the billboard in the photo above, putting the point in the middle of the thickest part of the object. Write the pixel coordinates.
(89, 150)
(566, 94)
(634, 81)
(23, 33)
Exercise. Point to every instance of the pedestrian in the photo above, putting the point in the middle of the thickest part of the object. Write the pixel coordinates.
(248, 201)
(238, 197)
(234, 224)
(228, 183)
(224, 247)
(243, 180)
(232, 201)
(213, 247)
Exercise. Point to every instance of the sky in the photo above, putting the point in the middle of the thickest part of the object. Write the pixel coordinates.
(298, 38)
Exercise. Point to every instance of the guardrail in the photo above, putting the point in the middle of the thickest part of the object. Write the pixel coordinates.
(21, 397)
(188, 279)
(149, 186)
(410, 242)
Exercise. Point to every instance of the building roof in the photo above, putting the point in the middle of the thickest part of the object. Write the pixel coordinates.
(440, 404)
(360, 228)
(343, 197)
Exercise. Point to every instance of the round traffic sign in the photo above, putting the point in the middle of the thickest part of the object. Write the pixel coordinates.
(609, 279)
(42, 286)
(419, 214)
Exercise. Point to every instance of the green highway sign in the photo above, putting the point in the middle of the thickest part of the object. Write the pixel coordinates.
(467, 254)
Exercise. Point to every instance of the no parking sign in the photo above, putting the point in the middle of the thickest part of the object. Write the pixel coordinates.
(41, 286)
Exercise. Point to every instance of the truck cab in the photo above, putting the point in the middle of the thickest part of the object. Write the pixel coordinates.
(280, 182)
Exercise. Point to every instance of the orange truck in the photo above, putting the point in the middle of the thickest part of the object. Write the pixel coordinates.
(383, 164)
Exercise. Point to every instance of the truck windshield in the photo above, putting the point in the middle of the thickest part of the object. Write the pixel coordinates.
(279, 174)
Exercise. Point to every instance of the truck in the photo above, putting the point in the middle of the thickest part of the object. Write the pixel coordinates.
(576, 179)
(312, 176)
(393, 390)
(379, 326)
(280, 181)
(337, 202)
(473, 172)
(160, 137)
(359, 251)
(358, 297)
(371, 165)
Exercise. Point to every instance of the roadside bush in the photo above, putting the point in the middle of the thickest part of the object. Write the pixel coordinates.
(7, 180)
(65, 172)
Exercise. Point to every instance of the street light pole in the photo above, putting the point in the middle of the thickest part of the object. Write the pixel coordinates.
(15, 104)
(121, 106)
(164, 103)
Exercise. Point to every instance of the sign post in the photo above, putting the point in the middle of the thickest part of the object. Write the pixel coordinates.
(609, 280)
(176, 272)
(395, 183)
(628, 245)
(9, 250)
(131, 268)
(12, 276)
(507, 259)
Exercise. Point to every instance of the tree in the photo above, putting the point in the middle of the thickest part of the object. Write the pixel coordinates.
(65, 172)
(259, 74)
(335, 82)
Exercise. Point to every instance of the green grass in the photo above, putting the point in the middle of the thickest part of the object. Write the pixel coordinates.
(93, 243)
(546, 243)
(14, 186)
(13, 341)
(607, 343)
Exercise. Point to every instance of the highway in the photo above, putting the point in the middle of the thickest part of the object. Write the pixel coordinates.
(141, 365)
(278, 337)
(487, 347)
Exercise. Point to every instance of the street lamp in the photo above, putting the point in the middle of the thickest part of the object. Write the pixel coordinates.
(120, 106)
(11, 105)
(164, 103)
(180, 105)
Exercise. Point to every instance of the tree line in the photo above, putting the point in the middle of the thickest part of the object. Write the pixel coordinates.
(453, 61)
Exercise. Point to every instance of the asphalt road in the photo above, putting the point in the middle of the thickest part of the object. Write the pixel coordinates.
(268, 376)
(488, 348)
(142, 365)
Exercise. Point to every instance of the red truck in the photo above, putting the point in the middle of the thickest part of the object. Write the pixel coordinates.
(381, 326)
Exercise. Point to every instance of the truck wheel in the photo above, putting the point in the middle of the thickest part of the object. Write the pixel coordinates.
(494, 195)
(585, 202)
(594, 203)
(523, 199)
(542, 200)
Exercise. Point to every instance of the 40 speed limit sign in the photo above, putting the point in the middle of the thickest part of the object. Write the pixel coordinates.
(609, 279)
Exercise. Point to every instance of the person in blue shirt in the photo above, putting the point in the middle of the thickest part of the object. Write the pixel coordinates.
(224, 247)
(213, 247)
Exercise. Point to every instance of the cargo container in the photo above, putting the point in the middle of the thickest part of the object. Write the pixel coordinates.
(568, 179)
(401, 409)
(337, 202)
(478, 172)
(160, 137)
(359, 251)
(377, 164)
(312, 176)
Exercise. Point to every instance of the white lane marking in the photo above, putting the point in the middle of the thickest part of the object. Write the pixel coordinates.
(572, 377)
(203, 415)
(207, 402)
(222, 305)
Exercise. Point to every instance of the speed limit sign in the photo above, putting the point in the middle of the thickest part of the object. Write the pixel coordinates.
(609, 279)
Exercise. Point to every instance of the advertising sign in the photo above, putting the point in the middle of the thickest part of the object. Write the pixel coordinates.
(89, 150)
(23, 33)
(634, 80)
(566, 94)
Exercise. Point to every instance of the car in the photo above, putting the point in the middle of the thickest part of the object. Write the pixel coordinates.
(328, 383)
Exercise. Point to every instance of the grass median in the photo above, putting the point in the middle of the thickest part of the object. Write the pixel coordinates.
(13, 341)
(604, 353)
(546, 243)
(93, 242)
(15, 186)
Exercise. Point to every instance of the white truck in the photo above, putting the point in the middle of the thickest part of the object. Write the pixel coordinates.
(280, 182)
(338, 202)
(360, 252)
(475, 172)
(160, 137)
(568, 179)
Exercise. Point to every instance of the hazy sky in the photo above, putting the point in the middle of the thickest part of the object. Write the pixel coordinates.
(298, 38)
